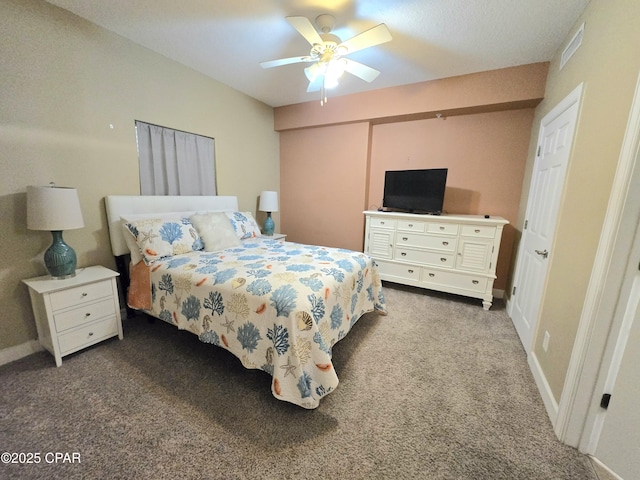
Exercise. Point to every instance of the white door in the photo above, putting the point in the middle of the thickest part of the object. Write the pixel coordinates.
(619, 442)
(547, 184)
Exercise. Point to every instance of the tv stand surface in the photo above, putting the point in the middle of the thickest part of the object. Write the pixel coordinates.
(448, 253)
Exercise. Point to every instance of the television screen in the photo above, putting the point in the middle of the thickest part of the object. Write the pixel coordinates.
(420, 191)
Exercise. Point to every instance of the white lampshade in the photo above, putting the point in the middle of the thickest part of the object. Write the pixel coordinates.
(269, 202)
(53, 208)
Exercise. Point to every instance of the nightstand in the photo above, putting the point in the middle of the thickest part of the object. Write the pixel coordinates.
(77, 312)
(275, 236)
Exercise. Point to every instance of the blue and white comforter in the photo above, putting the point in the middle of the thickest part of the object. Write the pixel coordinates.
(279, 307)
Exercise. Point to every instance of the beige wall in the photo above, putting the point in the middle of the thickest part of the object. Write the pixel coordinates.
(608, 62)
(64, 82)
(333, 158)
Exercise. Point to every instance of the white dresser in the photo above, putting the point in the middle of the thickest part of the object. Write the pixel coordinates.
(74, 313)
(449, 253)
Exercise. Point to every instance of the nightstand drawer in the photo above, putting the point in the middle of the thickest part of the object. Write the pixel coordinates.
(85, 336)
(77, 295)
(84, 314)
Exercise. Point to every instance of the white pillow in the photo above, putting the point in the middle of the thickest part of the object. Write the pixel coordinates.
(216, 231)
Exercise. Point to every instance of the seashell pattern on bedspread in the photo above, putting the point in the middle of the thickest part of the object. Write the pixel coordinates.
(277, 306)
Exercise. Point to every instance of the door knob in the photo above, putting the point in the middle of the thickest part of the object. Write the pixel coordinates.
(542, 253)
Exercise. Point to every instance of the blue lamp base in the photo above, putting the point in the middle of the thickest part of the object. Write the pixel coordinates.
(269, 226)
(60, 259)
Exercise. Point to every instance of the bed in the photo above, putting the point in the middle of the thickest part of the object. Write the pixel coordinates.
(277, 306)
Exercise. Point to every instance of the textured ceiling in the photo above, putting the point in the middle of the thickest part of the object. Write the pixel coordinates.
(227, 39)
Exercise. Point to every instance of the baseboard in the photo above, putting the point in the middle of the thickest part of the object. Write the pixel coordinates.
(545, 390)
(607, 470)
(11, 354)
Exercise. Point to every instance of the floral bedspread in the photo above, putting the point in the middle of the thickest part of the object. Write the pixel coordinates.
(277, 306)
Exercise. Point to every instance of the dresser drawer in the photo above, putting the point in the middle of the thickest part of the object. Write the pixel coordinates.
(465, 282)
(483, 231)
(77, 295)
(85, 336)
(85, 314)
(424, 257)
(397, 270)
(433, 242)
(383, 222)
(443, 228)
(411, 226)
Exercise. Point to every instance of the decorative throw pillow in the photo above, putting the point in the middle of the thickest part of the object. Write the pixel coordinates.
(244, 224)
(161, 237)
(216, 231)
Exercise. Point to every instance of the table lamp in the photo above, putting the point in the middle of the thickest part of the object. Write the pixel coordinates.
(268, 203)
(55, 209)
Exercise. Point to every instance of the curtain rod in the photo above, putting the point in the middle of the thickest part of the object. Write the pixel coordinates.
(174, 129)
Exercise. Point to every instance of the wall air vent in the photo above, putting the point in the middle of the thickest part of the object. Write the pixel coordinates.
(572, 47)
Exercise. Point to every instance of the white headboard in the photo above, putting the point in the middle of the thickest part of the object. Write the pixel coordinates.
(120, 205)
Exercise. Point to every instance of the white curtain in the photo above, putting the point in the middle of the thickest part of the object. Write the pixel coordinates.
(174, 162)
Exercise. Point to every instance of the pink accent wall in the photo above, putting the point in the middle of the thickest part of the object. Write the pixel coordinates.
(333, 158)
(485, 153)
(323, 185)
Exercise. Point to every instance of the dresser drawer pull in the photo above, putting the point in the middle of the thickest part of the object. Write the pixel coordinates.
(91, 334)
(475, 282)
(410, 271)
(88, 314)
(477, 231)
(84, 294)
(445, 243)
(441, 228)
(410, 225)
(405, 239)
(403, 254)
(432, 275)
(381, 223)
(443, 259)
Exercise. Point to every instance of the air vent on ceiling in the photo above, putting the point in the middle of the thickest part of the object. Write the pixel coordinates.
(572, 47)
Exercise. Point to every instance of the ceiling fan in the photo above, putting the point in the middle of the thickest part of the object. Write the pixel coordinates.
(328, 53)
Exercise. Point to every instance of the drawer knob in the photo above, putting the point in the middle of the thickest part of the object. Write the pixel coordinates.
(441, 228)
(410, 271)
(381, 223)
(432, 275)
(87, 315)
(475, 282)
(403, 254)
(445, 243)
(91, 334)
(405, 239)
(477, 231)
(411, 225)
(443, 259)
(84, 294)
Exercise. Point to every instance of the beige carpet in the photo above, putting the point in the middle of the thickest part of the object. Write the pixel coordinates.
(438, 389)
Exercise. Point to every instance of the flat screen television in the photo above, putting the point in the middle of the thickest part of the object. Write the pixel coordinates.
(416, 191)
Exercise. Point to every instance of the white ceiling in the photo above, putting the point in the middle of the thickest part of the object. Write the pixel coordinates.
(227, 39)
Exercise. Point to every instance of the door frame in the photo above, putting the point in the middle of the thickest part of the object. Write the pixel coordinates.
(573, 98)
(576, 423)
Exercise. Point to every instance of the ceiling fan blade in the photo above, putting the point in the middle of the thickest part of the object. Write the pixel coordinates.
(306, 29)
(285, 61)
(374, 36)
(360, 70)
(315, 86)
